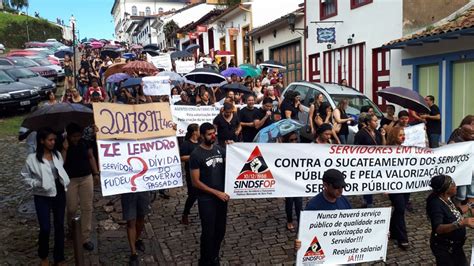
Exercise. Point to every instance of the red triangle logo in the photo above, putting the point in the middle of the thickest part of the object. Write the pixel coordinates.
(314, 249)
(255, 167)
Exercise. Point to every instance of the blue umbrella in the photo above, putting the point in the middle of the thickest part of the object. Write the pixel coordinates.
(128, 55)
(116, 78)
(131, 82)
(63, 53)
(276, 130)
(233, 70)
(192, 47)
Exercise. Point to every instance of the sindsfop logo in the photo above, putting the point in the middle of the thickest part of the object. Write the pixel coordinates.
(255, 178)
(315, 253)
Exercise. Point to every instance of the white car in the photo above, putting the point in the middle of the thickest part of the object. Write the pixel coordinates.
(2, 48)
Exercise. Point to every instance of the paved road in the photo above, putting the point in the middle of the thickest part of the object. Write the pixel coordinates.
(256, 232)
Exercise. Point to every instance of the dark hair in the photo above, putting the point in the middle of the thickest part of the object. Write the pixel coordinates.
(267, 100)
(42, 134)
(73, 128)
(322, 128)
(286, 138)
(322, 110)
(403, 113)
(190, 130)
(205, 127)
(391, 105)
(248, 96)
(228, 106)
(365, 108)
(48, 93)
(467, 120)
(440, 183)
(431, 97)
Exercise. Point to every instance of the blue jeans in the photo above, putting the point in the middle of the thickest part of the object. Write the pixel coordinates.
(44, 206)
(82, 89)
(342, 138)
(433, 140)
(466, 191)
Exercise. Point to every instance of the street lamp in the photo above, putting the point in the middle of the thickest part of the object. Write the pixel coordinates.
(291, 19)
(72, 21)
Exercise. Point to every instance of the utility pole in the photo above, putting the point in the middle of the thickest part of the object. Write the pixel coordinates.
(27, 30)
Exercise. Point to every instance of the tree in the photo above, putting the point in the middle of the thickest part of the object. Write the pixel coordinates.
(169, 30)
(19, 4)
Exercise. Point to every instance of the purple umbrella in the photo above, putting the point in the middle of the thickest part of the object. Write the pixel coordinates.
(116, 78)
(404, 97)
(233, 70)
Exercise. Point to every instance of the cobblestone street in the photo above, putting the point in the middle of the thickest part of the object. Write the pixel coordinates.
(256, 232)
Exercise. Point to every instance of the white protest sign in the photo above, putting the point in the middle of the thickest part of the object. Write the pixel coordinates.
(175, 98)
(157, 85)
(183, 115)
(200, 65)
(184, 67)
(161, 61)
(266, 170)
(139, 165)
(343, 236)
(415, 136)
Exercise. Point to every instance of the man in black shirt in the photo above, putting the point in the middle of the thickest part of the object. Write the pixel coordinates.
(264, 116)
(433, 122)
(247, 120)
(207, 167)
(227, 124)
(184, 99)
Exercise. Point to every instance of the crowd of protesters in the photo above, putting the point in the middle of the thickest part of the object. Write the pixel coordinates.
(69, 159)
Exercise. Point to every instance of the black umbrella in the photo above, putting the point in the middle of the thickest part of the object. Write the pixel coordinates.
(404, 97)
(151, 52)
(131, 82)
(63, 53)
(205, 76)
(58, 116)
(109, 53)
(236, 87)
(180, 54)
(151, 47)
(192, 47)
(272, 64)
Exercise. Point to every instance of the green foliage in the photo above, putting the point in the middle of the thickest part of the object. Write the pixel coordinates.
(9, 125)
(13, 30)
(170, 29)
(17, 4)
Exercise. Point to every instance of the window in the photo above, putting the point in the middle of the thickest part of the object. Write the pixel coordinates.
(148, 11)
(134, 10)
(141, 13)
(160, 10)
(359, 3)
(327, 9)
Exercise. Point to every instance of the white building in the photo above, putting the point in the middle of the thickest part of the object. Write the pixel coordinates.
(351, 34)
(439, 61)
(127, 14)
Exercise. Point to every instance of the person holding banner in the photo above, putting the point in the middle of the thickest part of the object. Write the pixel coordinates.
(398, 228)
(447, 223)
(191, 142)
(207, 166)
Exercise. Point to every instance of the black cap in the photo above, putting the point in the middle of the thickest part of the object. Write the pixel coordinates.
(334, 177)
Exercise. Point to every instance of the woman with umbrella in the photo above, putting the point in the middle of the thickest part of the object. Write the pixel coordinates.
(45, 175)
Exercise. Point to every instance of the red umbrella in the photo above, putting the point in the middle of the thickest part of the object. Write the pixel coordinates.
(134, 67)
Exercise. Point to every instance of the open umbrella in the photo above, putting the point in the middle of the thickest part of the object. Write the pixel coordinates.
(114, 68)
(131, 82)
(405, 98)
(233, 71)
(180, 54)
(96, 45)
(109, 53)
(128, 55)
(251, 71)
(236, 87)
(140, 66)
(272, 64)
(116, 78)
(136, 47)
(276, 130)
(151, 47)
(151, 52)
(58, 116)
(63, 53)
(192, 47)
(174, 77)
(205, 76)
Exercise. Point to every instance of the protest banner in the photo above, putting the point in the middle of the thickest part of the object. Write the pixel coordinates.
(139, 165)
(183, 115)
(161, 61)
(343, 236)
(266, 170)
(156, 86)
(184, 67)
(124, 121)
(415, 136)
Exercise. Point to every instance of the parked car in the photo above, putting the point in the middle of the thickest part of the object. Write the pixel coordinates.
(24, 75)
(2, 48)
(332, 93)
(38, 52)
(45, 72)
(45, 62)
(15, 95)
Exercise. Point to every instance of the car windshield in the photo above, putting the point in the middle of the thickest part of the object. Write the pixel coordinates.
(355, 103)
(24, 62)
(42, 61)
(22, 73)
(4, 78)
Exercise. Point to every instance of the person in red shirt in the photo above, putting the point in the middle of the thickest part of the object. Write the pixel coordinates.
(95, 88)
